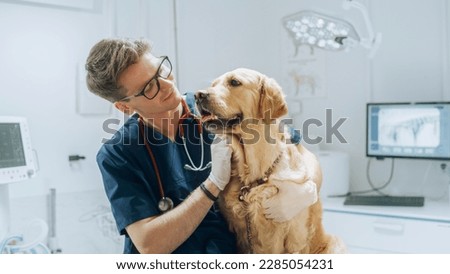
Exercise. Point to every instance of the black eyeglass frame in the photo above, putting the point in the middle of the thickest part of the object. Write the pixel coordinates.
(155, 77)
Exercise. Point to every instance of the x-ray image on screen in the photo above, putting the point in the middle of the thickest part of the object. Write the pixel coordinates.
(408, 130)
(414, 127)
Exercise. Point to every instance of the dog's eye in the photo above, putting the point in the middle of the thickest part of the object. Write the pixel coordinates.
(235, 83)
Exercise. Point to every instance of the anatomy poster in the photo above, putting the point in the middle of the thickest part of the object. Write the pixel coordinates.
(303, 70)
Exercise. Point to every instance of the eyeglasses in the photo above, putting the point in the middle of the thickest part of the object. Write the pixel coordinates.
(151, 89)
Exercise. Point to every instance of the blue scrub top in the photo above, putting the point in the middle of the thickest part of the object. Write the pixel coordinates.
(132, 188)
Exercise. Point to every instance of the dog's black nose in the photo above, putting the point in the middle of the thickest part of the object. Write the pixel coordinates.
(201, 95)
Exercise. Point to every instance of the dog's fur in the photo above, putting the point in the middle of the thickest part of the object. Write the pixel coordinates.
(245, 107)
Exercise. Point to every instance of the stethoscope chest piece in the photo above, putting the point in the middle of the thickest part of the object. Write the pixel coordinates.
(165, 204)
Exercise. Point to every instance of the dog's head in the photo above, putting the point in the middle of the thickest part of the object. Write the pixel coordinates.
(240, 95)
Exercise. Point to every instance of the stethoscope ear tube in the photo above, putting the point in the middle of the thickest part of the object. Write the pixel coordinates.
(192, 166)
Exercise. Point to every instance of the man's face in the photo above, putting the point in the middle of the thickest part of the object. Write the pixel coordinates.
(141, 78)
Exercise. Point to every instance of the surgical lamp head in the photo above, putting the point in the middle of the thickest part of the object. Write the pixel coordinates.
(319, 30)
(326, 32)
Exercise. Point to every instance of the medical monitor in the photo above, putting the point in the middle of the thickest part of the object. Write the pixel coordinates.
(408, 130)
(16, 155)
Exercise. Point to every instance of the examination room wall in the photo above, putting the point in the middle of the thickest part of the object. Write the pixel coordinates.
(43, 45)
(43, 51)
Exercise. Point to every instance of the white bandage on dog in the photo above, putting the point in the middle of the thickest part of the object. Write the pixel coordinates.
(291, 199)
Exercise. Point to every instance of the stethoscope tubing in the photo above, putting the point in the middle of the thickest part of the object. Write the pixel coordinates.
(166, 203)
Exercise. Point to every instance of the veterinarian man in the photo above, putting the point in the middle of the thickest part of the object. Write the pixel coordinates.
(155, 168)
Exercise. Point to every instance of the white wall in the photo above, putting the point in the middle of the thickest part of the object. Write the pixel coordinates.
(41, 47)
(411, 66)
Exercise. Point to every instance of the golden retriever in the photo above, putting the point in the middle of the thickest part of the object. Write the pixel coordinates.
(245, 107)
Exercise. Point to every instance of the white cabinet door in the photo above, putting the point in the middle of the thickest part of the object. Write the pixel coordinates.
(376, 234)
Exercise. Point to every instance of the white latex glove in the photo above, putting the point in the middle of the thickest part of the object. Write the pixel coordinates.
(221, 163)
(291, 199)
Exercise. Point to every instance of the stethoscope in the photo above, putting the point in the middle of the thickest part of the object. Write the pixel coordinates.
(165, 203)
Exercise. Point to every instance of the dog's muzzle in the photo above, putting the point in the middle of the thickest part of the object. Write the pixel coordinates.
(212, 121)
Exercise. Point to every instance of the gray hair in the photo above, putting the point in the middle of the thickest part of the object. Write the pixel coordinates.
(107, 60)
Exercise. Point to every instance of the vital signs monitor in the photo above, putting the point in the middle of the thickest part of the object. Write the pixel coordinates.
(16, 154)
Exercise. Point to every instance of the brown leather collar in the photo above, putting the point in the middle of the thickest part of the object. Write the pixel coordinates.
(246, 188)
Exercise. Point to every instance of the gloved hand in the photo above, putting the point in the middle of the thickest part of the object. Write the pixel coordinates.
(291, 199)
(221, 163)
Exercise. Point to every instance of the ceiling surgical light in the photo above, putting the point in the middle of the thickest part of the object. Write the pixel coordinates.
(314, 29)
(329, 33)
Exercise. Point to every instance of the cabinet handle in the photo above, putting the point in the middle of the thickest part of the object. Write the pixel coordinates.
(388, 227)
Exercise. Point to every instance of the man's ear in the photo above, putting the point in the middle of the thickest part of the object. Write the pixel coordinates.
(123, 107)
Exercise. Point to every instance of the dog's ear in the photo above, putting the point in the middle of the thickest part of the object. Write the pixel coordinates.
(272, 104)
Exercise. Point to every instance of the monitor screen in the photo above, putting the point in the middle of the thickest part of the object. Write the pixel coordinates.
(11, 146)
(16, 153)
(408, 130)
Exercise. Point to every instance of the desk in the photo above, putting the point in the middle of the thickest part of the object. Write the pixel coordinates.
(382, 229)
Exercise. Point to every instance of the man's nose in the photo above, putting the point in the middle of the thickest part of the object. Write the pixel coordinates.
(164, 83)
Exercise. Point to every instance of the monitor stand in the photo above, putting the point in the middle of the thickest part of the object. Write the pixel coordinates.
(4, 211)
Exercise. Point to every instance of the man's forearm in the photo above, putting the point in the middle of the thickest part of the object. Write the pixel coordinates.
(166, 232)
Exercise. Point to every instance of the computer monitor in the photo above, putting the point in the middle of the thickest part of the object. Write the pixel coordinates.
(16, 154)
(408, 130)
